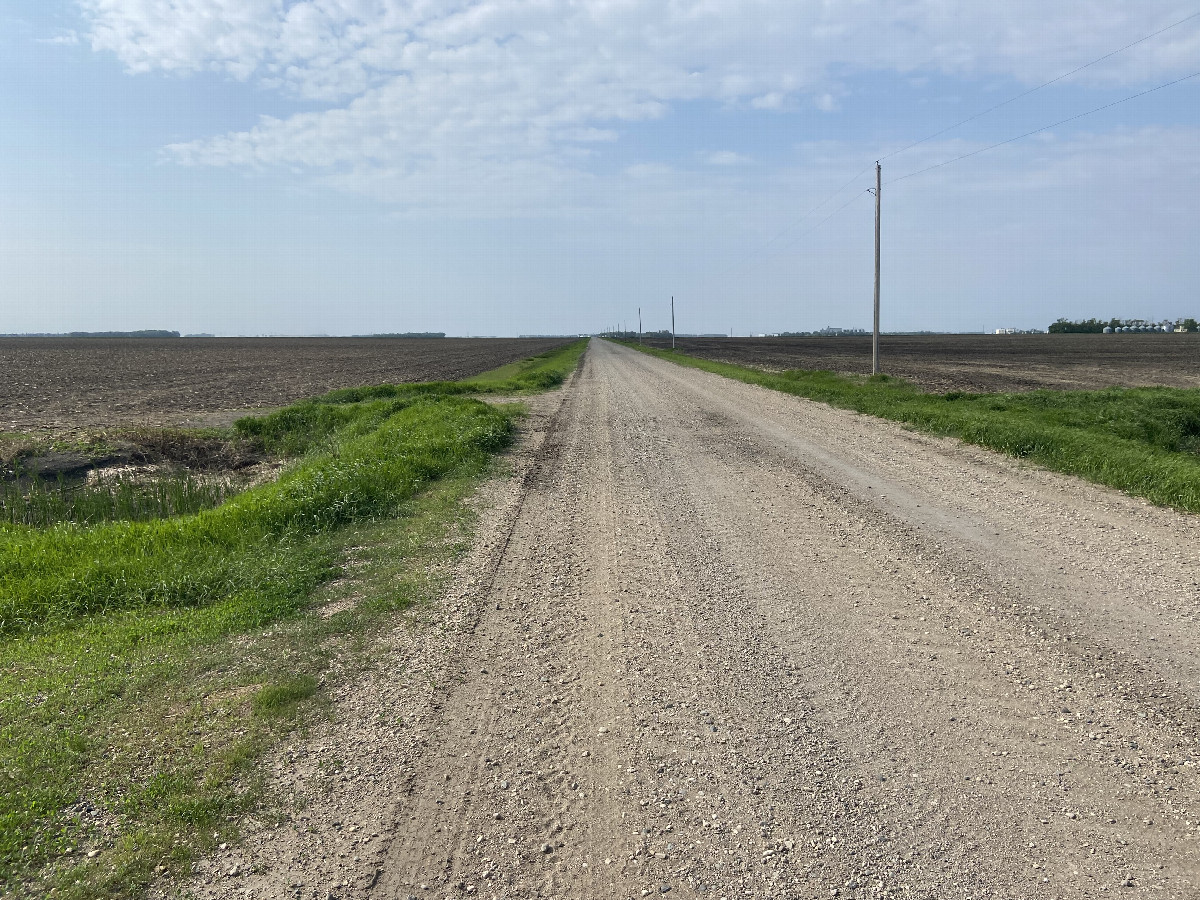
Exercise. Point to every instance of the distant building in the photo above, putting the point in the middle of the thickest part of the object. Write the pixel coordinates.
(830, 331)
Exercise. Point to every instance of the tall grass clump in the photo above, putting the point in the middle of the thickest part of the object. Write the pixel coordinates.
(43, 503)
(1145, 441)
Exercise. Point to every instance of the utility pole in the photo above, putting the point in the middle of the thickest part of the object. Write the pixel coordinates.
(672, 322)
(639, 324)
(875, 332)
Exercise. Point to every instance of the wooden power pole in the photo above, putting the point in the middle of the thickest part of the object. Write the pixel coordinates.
(875, 331)
(672, 323)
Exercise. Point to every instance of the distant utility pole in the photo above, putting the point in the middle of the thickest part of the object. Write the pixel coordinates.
(672, 322)
(639, 324)
(875, 333)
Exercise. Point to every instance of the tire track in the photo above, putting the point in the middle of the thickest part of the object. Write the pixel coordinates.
(735, 644)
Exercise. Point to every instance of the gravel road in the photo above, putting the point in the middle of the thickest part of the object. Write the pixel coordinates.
(722, 642)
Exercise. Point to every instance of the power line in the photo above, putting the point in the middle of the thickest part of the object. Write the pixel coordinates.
(991, 109)
(764, 248)
(1047, 127)
(978, 115)
(1045, 84)
(1077, 69)
(805, 234)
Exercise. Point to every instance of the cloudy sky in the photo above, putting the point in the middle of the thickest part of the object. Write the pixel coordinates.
(549, 166)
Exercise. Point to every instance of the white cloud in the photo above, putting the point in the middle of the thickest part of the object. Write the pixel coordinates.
(429, 101)
(187, 35)
(773, 100)
(726, 158)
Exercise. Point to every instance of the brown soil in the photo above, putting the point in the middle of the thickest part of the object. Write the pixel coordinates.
(137, 454)
(55, 384)
(718, 641)
(977, 363)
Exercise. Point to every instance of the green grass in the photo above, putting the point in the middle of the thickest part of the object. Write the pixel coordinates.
(308, 424)
(1145, 441)
(257, 542)
(537, 373)
(283, 695)
(44, 503)
(186, 471)
(528, 376)
(146, 666)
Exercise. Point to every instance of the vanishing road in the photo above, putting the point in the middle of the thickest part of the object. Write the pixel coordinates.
(723, 642)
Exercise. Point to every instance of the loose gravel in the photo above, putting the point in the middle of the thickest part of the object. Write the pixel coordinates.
(716, 641)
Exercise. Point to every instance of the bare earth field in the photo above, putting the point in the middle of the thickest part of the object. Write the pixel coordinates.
(716, 641)
(977, 363)
(62, 383)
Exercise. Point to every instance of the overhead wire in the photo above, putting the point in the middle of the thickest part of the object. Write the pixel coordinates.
(980, 115)
(805, 234)
(1044, 84)
(1046, 127)
(765, 247)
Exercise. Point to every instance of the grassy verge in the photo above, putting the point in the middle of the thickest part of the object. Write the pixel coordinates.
(146, 666)
(1145, 441)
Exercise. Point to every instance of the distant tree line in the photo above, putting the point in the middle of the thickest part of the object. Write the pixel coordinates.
(144, 333)
(827, 332)
(408, 334)
(1097, 326)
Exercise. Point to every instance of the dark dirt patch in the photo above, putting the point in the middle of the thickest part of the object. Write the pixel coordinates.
(977, 363)
(66, 465)
(197, 452)
(55, 384)
(163, 449)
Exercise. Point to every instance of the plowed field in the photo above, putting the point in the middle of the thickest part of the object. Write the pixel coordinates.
(60, 383)
(977, 362)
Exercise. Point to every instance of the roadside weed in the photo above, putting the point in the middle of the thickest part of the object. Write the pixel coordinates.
(281, 696)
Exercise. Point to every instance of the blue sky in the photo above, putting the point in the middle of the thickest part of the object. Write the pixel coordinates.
(512, 166)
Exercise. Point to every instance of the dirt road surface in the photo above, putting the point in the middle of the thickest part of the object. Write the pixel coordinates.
(721, 642)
